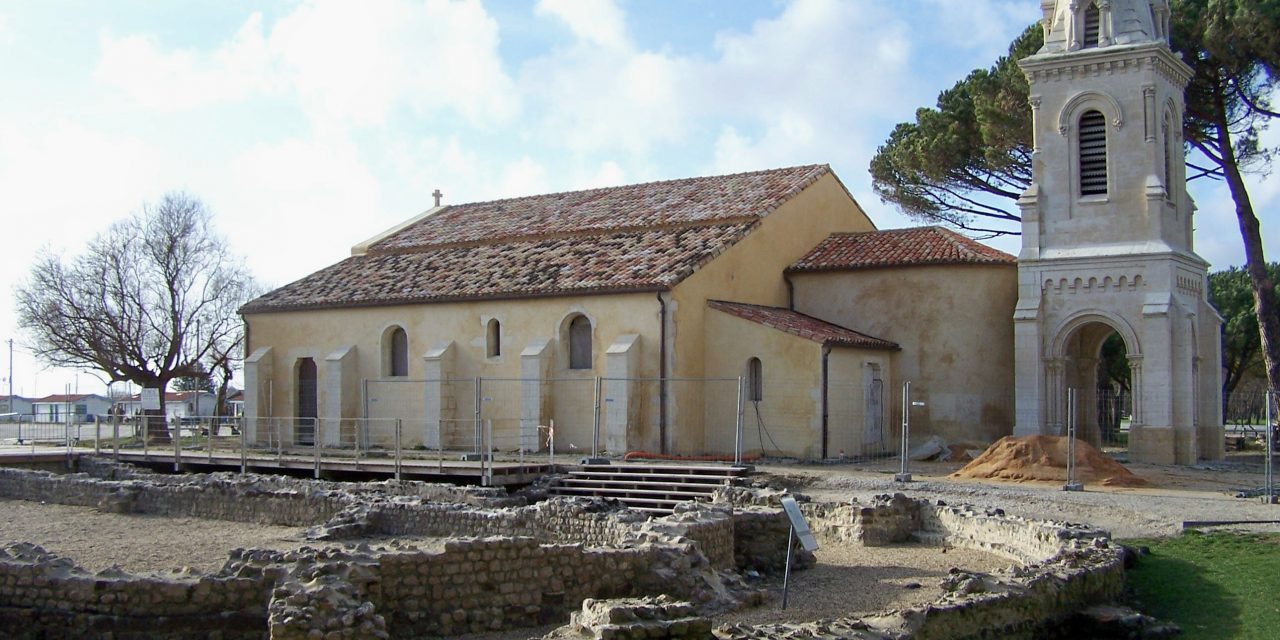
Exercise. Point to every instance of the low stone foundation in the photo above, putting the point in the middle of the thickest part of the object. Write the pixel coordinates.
(506, 565)
(1060, 569)
(503, 566)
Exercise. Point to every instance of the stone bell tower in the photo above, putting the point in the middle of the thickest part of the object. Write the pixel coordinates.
(1107, 236)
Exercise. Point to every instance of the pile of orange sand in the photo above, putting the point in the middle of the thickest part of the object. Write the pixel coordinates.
(1044, 458)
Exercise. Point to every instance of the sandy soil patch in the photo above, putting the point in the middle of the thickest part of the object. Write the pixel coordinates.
(146, 544)
(850, 580)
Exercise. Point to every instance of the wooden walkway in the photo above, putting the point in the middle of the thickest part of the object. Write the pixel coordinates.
(456, 471)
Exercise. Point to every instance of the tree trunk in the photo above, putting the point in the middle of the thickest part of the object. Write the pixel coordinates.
(1264, 296)
(157, 428)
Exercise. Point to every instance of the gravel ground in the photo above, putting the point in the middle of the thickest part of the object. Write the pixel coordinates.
(1175, 495)
(849, 578)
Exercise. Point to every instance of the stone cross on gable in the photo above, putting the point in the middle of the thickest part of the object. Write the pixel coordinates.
(437, 195)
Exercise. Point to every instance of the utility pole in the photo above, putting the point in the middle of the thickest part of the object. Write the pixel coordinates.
(11, 405)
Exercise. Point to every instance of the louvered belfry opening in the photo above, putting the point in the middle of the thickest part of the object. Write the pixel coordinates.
(1093, 154)
(1092, 26)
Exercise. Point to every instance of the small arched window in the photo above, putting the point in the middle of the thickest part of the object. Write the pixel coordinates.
(493, 338)
(1093, 153)
(755, 380)
(580, 343)
(1092, 26)
(396, 353)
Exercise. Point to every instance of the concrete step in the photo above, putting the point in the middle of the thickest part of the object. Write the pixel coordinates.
(654, 488)
(626, 493)
(700, 489)
(676, 469)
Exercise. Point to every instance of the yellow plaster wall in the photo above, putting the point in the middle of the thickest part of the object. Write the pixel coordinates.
(788, 420)
(955, 327)
(751, 272)
(850, 424)
(315, 334)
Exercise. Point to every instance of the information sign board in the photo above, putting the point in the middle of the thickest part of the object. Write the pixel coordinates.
(799, 524)
(150, 399)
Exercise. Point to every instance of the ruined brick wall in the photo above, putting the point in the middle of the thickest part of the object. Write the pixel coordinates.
(501, 583)
(52, 598)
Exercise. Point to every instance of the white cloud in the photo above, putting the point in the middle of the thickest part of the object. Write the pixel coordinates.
(787, 140)
(599, 22)
(979, 25)
(608, 174)
(800, 67)
(165, 81)
(358, 61)
(6, 31)
(345, 63)
(297, 205)
(521, 178)
(82, 178)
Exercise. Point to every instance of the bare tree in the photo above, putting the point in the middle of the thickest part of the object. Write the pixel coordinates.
(148, 301)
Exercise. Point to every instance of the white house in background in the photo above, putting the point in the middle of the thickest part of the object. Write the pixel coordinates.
(235, 403)
(13, 406)
(59, 408)
(178, 405)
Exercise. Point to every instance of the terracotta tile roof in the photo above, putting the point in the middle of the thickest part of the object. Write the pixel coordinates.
(634, 238)
(896, 248)
(801, 325)
(638, 206)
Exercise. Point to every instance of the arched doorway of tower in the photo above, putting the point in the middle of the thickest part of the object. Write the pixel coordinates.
(1098, 357)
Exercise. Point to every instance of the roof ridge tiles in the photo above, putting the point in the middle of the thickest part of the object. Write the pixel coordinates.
(669, 181)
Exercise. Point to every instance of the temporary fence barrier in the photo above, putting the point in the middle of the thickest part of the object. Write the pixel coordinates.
(593, 416)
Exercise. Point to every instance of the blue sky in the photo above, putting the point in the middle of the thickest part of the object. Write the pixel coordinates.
(308, 126)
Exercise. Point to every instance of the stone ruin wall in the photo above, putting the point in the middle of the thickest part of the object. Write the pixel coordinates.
(571, 549)
(474, 583)
(1060, 567)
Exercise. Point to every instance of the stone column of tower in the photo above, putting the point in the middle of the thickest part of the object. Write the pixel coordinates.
(1107, 235)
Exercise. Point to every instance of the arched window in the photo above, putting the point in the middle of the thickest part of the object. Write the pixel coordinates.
(395, 352)
(580, 343)
(755, 380)
(1092, 26)
(1093, 153)
(493, 338)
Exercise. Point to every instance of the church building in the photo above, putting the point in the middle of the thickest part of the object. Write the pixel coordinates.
(507, 312)
(677, 317)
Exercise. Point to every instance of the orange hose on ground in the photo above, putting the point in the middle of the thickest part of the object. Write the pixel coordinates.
(645, 455)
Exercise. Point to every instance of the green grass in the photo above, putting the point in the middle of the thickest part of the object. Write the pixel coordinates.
(1215, 585)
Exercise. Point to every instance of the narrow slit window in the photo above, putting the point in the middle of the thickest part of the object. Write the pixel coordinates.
(580, 343)
(493, 339)
(755, 380)
(1093, 154)
(1092, 26)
